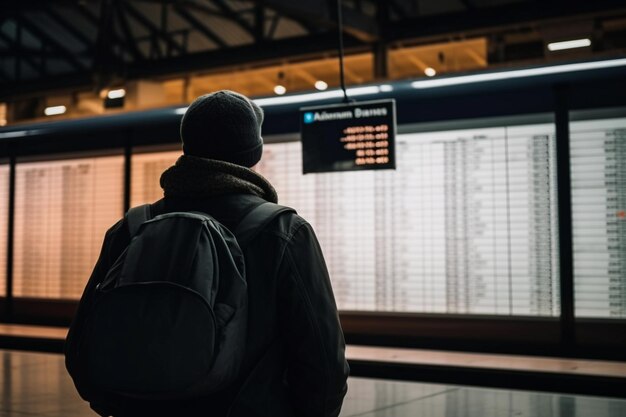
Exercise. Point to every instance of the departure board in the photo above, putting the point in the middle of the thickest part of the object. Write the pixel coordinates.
(467, 223)
(4, 220)
(63, 209)
(146, 171)
(598, 170)
(348, 136)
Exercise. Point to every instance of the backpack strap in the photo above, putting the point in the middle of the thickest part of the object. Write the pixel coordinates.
(256, 220)
(136, 216)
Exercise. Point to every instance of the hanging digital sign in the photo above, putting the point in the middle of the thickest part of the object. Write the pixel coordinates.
(348, 137)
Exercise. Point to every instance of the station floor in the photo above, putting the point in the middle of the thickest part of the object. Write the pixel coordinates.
(36, 384)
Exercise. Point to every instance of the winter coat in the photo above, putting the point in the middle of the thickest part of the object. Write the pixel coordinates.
(294, 363)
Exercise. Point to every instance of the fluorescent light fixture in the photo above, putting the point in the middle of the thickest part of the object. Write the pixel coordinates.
(19, 133)
(430, 72)
(54, 110)
(575, 43)
(280, 90)
(506, 75)
(321, 85)
(119, 93)
(322, 95)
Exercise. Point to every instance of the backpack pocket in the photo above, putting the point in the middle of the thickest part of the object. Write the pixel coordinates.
(151, 339)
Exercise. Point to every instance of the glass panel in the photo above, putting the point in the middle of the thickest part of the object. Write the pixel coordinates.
(146, 172)
(4, 231)
(63, 209)
(598, 167)
(466, 224)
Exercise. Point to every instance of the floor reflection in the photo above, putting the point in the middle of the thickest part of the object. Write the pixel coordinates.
(36, 384)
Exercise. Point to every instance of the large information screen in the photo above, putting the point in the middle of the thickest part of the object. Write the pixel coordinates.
(598, 167)
(63, 209)
(146, 172)
(4, 220)
(466, 224)
(348, 137)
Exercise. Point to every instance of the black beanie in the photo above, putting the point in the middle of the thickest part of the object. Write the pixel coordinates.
(223, 125)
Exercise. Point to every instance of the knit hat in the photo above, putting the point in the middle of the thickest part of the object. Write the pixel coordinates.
(223, 125)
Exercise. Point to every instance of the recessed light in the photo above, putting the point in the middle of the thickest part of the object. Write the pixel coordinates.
(321, 85)
(430, 72)
(575, 43)
(54, 110)
(119, 93)
(280, 90)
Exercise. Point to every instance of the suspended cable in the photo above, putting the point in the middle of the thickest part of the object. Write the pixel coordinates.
(341, 75)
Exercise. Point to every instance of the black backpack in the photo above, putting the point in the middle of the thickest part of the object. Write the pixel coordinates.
(169, 319)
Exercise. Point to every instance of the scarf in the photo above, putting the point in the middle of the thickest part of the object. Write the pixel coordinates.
(193, 177)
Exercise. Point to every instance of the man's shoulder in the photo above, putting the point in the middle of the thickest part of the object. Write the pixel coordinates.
(287, 224)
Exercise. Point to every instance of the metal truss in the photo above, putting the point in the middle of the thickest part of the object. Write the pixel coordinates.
(91, 43)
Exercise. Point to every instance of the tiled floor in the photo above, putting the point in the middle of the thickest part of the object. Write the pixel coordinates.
(36, 384)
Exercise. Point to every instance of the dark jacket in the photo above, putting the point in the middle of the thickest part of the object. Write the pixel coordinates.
(294, 364)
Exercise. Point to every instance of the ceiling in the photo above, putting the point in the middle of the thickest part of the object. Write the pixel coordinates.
(64, 44)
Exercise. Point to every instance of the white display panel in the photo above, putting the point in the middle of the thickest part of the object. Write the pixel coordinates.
(598, 171)
(466, 224)
(63, 209)
(4, 230)
(146, 171)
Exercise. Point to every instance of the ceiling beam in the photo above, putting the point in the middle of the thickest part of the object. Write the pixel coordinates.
(94, 21)
(4, 75)
(488, 18)
(29, 59)
(35, 53)
(398, 8)
(480, 60)
(318, 14)
(152, 28)
(199, 26)
(273, 26)
(104, 58)
(46, 39)
(68, 27)
(254, 55)
(305, 47)
(234, 16)
(35, 87)
(468, 4)
(130, 43)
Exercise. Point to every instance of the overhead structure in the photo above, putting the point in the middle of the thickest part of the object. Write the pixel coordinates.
(70, 44)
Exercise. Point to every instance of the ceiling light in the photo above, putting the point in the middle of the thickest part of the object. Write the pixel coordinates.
(576, 43)
(430, 72)
(54, 110)
(506, 75)
(280, 90)
(119, 93)
(321, 85)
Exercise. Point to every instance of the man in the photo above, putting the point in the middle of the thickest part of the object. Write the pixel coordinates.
(294, 362)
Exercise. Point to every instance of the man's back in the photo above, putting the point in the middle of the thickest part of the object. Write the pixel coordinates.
(294, 361)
